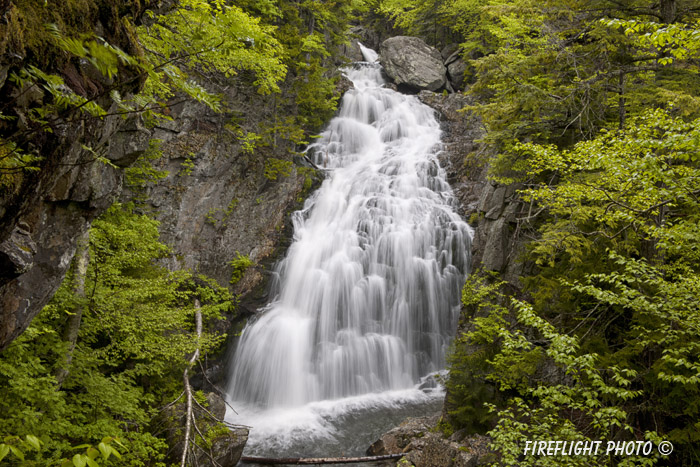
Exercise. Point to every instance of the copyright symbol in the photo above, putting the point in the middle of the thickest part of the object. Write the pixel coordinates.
(665, 448)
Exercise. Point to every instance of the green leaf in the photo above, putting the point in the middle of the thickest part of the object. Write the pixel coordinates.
(17, 452)
(115, 452)
(92, 463)
(79, 460)
(4, 450)
(92, 453)
(34, 442)
(104, 449)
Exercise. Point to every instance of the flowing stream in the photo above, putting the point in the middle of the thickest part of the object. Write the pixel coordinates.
(367, 299)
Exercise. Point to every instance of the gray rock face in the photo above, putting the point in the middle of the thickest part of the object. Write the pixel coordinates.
(412, 64)
(17, 252)
(217, 202)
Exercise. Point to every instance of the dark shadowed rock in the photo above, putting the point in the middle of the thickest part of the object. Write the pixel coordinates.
(449, 51)
(412, 64)
(39, 224)
(456, 71)
(17, 253)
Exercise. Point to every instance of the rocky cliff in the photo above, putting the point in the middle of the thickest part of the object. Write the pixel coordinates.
(220, 199)
(43, 212)
(230, 182)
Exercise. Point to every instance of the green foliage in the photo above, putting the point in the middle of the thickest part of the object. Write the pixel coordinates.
(91, 457)
(187, 165)
(240, 264)
(559, 70)
(275, 168)
(136, 330)
(215, 36)
(606, 348)
(18, 447)
(142, 173)
(103, 450)
(468, 389)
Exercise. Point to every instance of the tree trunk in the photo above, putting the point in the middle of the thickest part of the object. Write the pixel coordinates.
(189, 414)
(669, 11)
(70, 331)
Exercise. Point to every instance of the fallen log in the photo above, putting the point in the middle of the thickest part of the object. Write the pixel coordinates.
(318, 460)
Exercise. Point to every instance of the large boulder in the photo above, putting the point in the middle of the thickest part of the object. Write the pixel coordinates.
(412, 64)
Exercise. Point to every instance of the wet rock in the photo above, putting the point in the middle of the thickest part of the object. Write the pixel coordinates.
(369, 36)
(397, 440)
(429, 382)
(344, 85)
(351, 51)
(412, 64)
(424, 446)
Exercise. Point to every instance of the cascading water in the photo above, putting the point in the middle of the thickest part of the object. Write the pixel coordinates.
(369, 291)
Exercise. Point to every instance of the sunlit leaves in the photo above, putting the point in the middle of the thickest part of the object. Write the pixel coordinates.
(619, 183)
(671, 42)
(216, 37)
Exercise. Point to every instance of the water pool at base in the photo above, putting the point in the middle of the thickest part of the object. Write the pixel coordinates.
(332, 428)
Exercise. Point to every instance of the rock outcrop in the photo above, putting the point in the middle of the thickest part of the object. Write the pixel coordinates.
(40, 231)
(456, 66)
(412, 64)
(423, 445)
(43, 212)
(220, 200)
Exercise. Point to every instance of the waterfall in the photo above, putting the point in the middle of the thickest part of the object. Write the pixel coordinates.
(369, 292)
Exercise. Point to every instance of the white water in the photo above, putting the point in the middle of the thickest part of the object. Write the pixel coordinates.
(369, 291)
